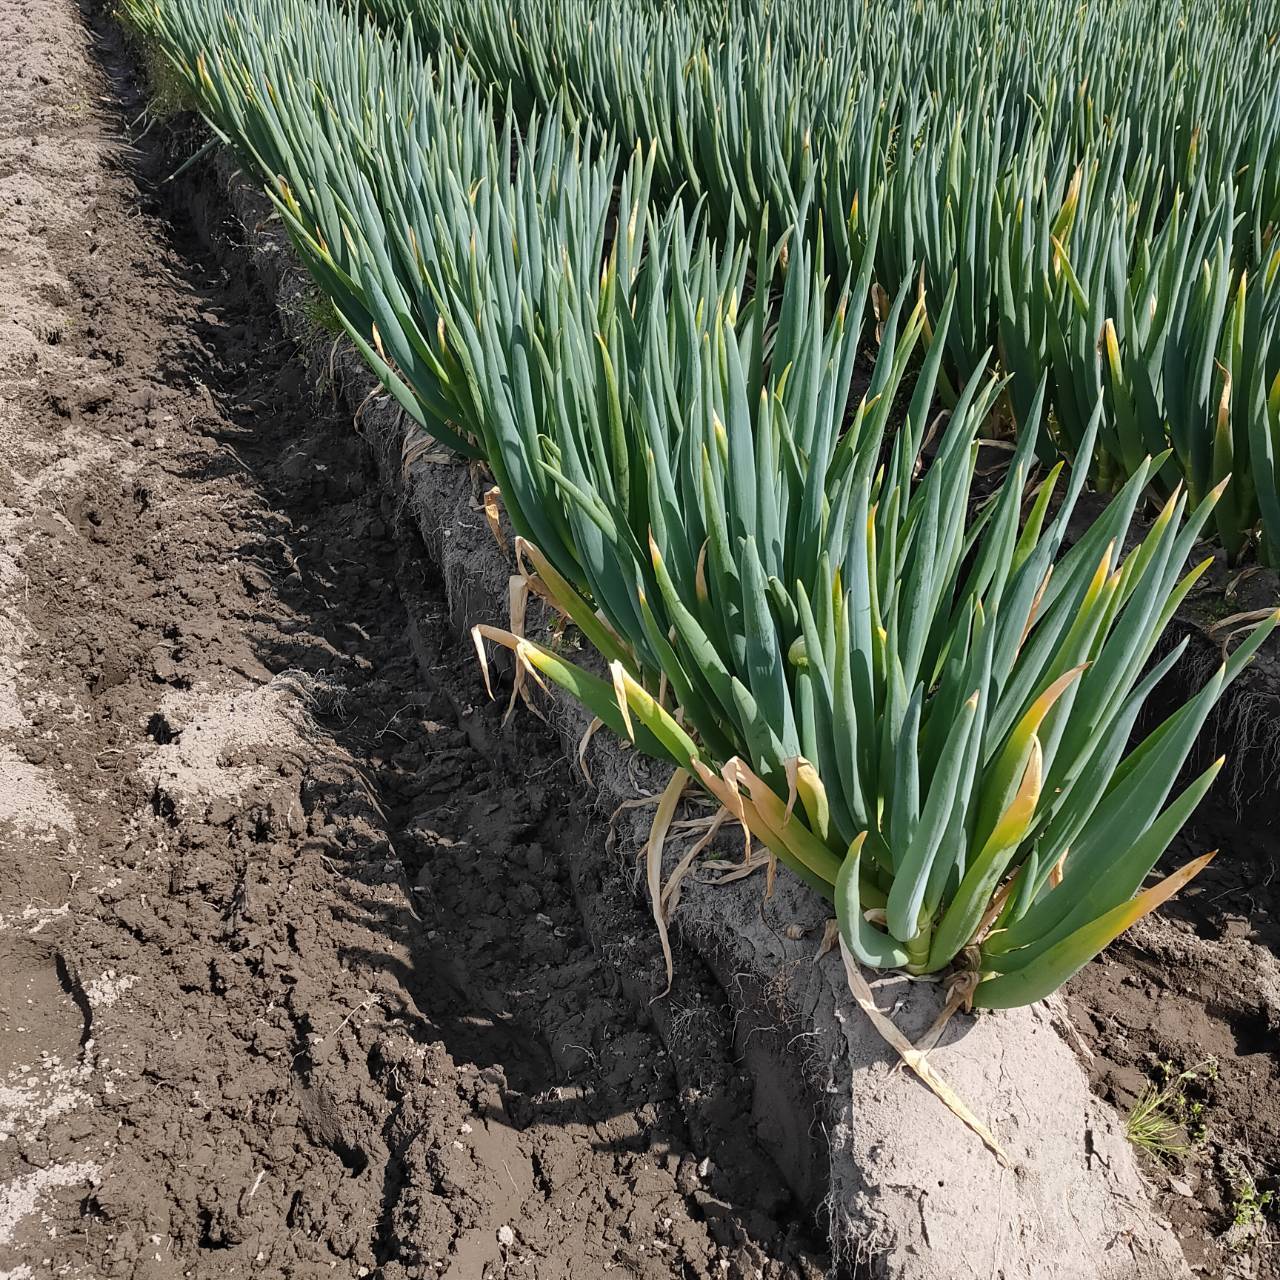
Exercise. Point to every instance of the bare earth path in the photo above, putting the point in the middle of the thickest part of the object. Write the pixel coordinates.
(291, 982)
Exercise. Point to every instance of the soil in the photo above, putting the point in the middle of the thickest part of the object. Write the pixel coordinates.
(296, 981)
(1197, 987)
(297, 977)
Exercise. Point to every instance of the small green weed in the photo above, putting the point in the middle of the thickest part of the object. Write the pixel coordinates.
(318, 314)
(1248, 1204)
(1166, 1122)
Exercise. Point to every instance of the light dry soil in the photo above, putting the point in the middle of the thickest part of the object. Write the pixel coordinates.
(292, 979)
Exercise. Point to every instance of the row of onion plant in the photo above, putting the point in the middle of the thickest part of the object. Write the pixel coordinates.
(920, 702)
(1103, 184)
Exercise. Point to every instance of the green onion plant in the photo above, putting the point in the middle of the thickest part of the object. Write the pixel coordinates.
(921, 698)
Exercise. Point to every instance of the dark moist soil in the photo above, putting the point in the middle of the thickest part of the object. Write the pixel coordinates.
(293, 979)
(1198, 987)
